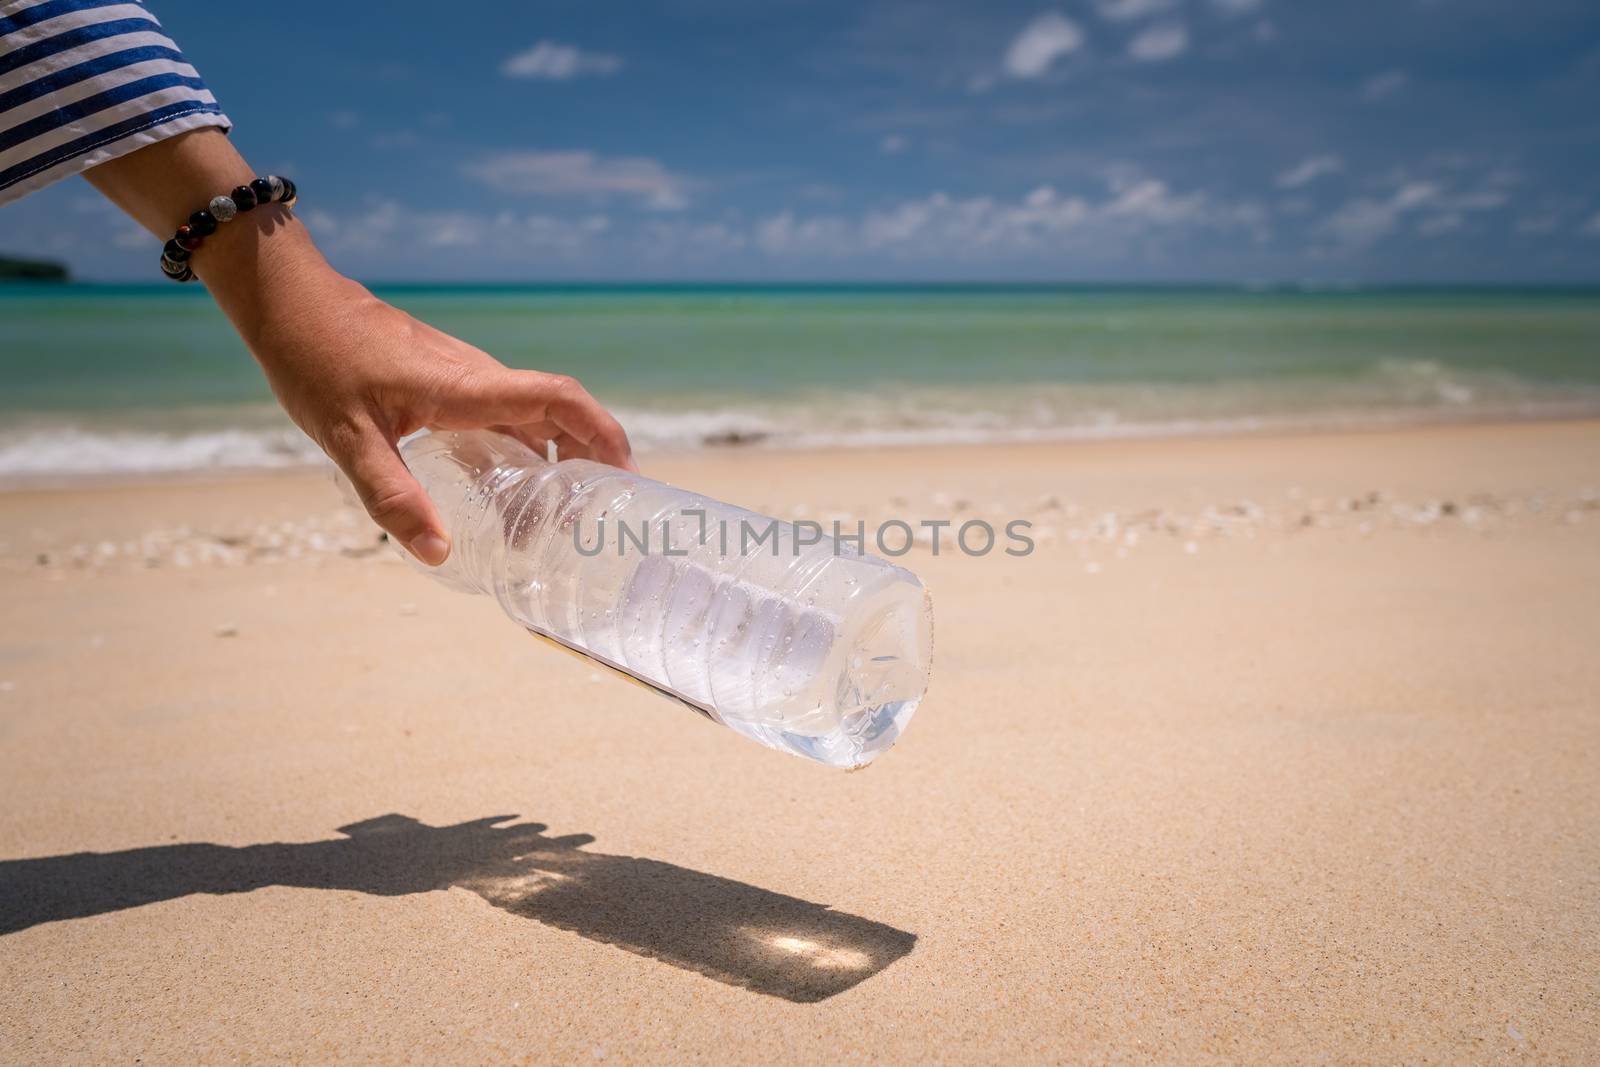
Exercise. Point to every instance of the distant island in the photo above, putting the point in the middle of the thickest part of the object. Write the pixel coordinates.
(32, 270)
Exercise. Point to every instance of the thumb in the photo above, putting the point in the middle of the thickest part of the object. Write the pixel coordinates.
(393, 497)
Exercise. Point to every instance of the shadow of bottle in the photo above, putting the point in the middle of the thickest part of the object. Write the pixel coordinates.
(735, 933)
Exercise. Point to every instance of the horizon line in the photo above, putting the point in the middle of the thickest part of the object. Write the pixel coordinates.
(1254, 285)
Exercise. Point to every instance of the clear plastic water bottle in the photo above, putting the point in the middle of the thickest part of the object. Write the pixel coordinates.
(800, 641)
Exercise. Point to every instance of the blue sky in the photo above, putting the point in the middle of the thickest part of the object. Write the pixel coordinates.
(1178, 140)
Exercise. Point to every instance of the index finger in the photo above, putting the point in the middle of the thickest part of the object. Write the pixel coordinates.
(520, 397)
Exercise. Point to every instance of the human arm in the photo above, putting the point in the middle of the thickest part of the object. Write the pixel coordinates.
(352, 372)
(97, 87)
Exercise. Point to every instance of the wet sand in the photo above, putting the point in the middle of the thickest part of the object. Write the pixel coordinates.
(1275, 749)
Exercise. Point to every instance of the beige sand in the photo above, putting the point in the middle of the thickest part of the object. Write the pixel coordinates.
(1275, 750)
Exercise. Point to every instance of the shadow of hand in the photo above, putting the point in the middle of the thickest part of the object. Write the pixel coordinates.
(730, 931)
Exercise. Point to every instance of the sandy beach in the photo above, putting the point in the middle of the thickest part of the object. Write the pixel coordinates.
(1277, 749)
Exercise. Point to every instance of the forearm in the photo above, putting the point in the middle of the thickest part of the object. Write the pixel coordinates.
(351, 371)
(258, 266)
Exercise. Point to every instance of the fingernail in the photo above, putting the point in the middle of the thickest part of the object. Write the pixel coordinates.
(430, 548)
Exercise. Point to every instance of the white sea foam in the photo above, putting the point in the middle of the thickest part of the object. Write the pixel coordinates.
(82, 450)
(1396, 393)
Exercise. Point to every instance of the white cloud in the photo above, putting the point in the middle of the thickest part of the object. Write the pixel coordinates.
(1124, 10)
(1041, 42)
(581, 173)
(552, 61)
(893, 145)
(1486, 200)
(1414, 194)
(1236, 7)
(1042, 221)
(551, 231)
(1164, 40)
(932, 225)
(672, 240)
(1381, 86)
(1151, 201)
(785, 233)
(1309, 170)
(388, 227)
(1364, 221)
(1592, 227)
(1482, 199)
(1439, 225)
(902, 223)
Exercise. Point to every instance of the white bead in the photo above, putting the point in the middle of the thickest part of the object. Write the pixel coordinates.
(222, 208)
(277, 186)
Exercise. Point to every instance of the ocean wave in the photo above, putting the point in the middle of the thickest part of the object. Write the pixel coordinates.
(1395, 393)
(85, 450)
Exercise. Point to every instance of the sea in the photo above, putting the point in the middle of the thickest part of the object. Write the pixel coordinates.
(138, 380)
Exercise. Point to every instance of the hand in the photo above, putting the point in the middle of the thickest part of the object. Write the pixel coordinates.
(354, 373)
(357, 375)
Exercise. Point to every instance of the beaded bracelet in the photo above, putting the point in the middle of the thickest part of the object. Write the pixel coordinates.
(203, 223)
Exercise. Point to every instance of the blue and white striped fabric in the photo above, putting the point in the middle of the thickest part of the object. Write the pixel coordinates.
(85, 81)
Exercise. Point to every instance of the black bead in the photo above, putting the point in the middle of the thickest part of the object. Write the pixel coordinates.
(173, 270)
(203, 223)
(174, 251)
(243, 198)
(263, 190)
(289, 191)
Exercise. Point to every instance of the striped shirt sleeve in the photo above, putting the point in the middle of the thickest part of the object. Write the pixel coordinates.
(86, 81)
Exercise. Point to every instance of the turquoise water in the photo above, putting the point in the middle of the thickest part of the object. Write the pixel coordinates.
(153, 378)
